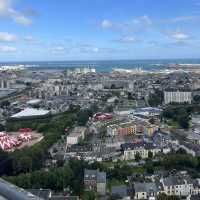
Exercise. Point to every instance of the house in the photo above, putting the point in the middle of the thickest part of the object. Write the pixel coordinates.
(77, 134)
(127, 128)
(94, 180)
(196, 184)
(194, 138)
(146, 190)
(120, 192)
(130, 150)
(178, 185)
(133, 127)
(177, 96)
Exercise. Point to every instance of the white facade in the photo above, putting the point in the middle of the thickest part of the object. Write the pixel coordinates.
(4, 84)
(76, 135)
(130, 154)
(178, 96)
(179, 189)
(140, 195)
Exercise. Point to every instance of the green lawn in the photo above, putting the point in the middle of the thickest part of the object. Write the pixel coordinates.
(139, 170)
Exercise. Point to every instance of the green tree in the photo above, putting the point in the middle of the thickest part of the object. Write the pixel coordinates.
(108, 109)
(90, 195)
(156, 98)
(137, 157)
(5, 103)
(197, 98)
(2, 128)
(150, 155)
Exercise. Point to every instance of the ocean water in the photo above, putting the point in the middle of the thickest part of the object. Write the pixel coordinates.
(106, 65)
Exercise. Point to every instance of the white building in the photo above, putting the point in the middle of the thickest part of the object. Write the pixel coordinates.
(76, 135)
(177, 96)
(4, 83)
(146, 190)
(130, 150)
(177, 185)
(31, 113)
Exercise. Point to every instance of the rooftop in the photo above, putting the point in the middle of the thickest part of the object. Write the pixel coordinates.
(30, 112)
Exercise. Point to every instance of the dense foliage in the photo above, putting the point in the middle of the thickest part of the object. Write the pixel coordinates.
(156, 98)
(84, 115)
(71, 175)
(179, 114)
(32, 158)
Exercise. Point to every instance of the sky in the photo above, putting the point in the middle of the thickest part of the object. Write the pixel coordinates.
(42, 30)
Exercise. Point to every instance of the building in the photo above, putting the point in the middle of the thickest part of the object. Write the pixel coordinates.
(130, 150)
(146, 112)
(4, 84)
(145, 190)
(150, 129)
(94, 180)
(178, 185)
(120, 192)
(127, 128)
(177, 96)
(133, 127)
(77, 134)
(31, 113)
(194, 138)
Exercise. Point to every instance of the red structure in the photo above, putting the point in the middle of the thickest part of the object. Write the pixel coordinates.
(102, 116)
(8, 142)
(25, 134)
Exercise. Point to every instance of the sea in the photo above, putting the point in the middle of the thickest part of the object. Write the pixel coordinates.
(104, 65)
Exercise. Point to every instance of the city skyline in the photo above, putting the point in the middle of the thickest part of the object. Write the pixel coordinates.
(98, 30)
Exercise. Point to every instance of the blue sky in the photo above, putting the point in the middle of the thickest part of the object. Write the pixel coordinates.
(34, 30)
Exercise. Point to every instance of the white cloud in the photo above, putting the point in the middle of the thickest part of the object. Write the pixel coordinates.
(138, 24)
(58, 49)
(127, 39)
(179, 36)
(87, 48)
(6, 37)
(7, 49)
(95, 50)
(144, 20)
(20, 19)
(29, 38)
(4, 6)
(181, 19)
(7, 10)
(106, 24)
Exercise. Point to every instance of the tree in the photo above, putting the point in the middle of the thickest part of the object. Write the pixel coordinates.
(183, 121)
(149, 168)
(2, 128)
(156, 98)
(179, 114)
(152, 121)
(113, 86)
(196, 98)
(90, 195)
(137, 157)
(5, 103)
(109, 109)
(130, 96)
(150, 155)
(83, 117)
